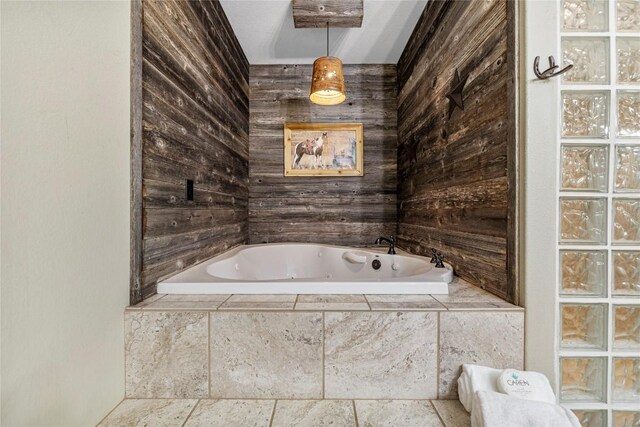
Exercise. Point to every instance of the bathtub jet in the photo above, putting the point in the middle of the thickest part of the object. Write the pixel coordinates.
(297, 268)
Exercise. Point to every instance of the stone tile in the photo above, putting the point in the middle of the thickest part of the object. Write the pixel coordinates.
(149, 412)
(263, 298)
(314, 413)
(396, 413)
(332, 302)
(165, 304)
(266, 355)
(381, 355)
(482, 305)
(452, 413)
(463, 291)
(225, 413)
(166, 354)
(403, 302)
(197, 297)
(147, 301)
(256, 306)
(494, 339)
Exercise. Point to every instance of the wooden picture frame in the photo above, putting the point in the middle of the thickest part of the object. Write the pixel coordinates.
(323, 149)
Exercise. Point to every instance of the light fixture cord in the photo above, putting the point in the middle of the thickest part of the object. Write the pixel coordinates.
(327, 38)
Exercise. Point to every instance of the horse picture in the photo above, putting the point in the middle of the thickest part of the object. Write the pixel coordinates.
(314, 149)
(310, 148)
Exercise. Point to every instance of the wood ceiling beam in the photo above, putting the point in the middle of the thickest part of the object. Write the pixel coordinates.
(338, 13)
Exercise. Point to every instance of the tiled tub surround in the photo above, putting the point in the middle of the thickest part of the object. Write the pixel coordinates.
(317, 346)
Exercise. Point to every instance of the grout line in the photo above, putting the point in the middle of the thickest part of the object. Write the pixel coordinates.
(224, 302)
(355, 413)
(323, 347)
(438, 356)
(191, 412)
(438, 413)
(209, 376)
(367, 301)
(111, 411)
(273, 412)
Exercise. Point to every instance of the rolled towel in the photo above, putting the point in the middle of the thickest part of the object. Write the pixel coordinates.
(491, 409)
(476, 378)
(526, 385)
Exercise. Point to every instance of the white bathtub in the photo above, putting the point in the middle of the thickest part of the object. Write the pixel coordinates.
(298, 268)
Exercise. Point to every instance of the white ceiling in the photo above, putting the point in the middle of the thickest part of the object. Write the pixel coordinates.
(266, 33)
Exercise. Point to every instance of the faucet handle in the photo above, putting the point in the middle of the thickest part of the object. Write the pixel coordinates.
(434, 255)
(439, 258)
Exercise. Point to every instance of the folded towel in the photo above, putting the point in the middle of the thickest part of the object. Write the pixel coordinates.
(526, 385)
(491, 409)
(476, 378)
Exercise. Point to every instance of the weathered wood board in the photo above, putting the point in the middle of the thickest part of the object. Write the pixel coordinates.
(456, 176)
(338, 13)
(194, 90)
(346, 211)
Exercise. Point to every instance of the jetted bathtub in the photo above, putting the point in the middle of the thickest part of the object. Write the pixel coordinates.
(296, 268)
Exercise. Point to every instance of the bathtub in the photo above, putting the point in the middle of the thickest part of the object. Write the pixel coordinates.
(297, 268)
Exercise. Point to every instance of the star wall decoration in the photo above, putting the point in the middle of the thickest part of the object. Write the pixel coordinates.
(455, 96)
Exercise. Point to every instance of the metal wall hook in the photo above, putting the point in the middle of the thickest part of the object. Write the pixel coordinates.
(551, 71)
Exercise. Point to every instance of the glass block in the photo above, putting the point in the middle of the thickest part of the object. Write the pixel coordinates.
(583, 379)
(583, 273)
(584, 167)
(627, 168)
(626, 273)
(584, 15)
(626, 221)
(626, 327)
(583, 326)
(590, 59)
(585, 114)
(583, 220)
(626, 379)
(591, 418)
(628, 114)
(628, 15)
(626, 418)
(628, 59)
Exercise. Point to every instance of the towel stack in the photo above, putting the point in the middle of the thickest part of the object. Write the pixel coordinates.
(510, 398)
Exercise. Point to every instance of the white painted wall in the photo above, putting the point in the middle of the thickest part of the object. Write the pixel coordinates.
(65, 209)
(539, 124)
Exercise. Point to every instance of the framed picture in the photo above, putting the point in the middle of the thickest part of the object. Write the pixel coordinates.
(323, 149)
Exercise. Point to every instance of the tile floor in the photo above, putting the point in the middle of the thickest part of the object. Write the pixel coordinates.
(278, 413)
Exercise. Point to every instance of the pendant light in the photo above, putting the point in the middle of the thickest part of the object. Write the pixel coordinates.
(327, 82)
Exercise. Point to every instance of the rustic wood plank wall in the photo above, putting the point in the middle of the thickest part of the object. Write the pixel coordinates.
(195, 125)
(456, 175)
(346, 211)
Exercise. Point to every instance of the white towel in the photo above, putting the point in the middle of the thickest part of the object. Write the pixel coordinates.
(476, 378)
(491, 409)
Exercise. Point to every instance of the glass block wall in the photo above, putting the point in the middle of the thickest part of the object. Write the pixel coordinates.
(599, 212)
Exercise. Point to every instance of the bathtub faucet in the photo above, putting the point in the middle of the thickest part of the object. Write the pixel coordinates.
(391, 242)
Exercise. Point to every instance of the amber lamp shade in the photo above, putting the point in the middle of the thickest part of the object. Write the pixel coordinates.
(327, 82)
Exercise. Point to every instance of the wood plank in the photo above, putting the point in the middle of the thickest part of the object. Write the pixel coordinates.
(338, 13)
(334, 210)
(136, 255)
(194, 107)
(456, 174)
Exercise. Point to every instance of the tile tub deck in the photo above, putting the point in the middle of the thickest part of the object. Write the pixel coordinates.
(278, 413)
(313, 347)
